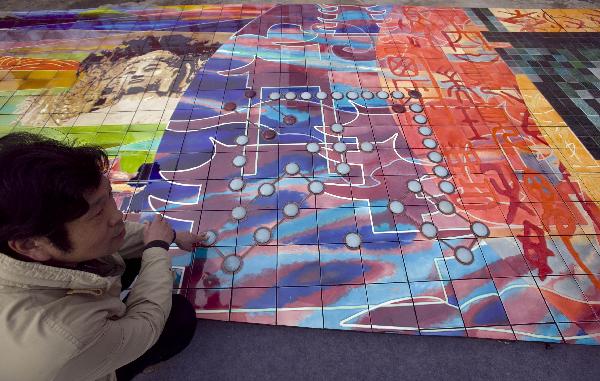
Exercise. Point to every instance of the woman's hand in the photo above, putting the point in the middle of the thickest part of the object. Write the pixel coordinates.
(188, 241)
(157, 229)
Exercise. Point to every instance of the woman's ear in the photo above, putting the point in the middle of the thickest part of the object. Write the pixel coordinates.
(181, 80)
(33, 248)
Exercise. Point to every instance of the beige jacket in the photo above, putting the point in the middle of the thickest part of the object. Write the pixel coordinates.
(62, 324)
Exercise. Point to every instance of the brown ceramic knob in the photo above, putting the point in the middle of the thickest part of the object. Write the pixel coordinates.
(289, 120)
(229, 106)
(399, 109)
(269, 134)
(414, 94)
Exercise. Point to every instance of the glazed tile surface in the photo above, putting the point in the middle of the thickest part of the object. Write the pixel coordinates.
(411, 170)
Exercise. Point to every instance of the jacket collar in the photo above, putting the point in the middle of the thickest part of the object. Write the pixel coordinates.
(21, 274)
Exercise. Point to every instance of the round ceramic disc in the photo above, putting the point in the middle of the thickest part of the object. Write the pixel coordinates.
(291, 210)
(274, 96)
(305, 95)
(352, 240)
(414, 186)
(339, 147)
(241, 140)
(367, 95)
(441, 171)
(352, 95)
(415, 107)
(425, 131)
(446, 187)
(238, 213)
(429, 230)
(446, 207)
(397, 94)
(232, 263)
(435, 156)
(463, 255)
(419, 118)
(367, 147)
(382, 94)
(342, 168)
(262, 235)
(396, 207)
(290, 95)
(321, 95)
(211, 238)
(236, 184)
(239, 161)
(292, 168)
(316, 187)
(337, 95)
(480, 229)
(267, 189)
(337, 128)
(429, 143)
(313, 147)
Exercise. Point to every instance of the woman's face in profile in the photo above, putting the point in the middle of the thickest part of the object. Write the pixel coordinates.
(150, 72)
(108, 83)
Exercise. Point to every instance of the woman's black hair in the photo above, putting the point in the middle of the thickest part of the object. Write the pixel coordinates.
(42, 186)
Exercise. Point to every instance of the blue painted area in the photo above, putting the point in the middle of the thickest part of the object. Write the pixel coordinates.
(342, 272)
(266, 298)
(491, 314)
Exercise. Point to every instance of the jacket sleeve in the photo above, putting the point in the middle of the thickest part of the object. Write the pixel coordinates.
(123, 340)
(134, 240)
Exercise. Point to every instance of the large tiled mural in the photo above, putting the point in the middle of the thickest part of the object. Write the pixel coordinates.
(409, 170)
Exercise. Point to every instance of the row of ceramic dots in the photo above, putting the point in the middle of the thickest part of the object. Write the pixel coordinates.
(353, 95)
(270, 134)
(338, 95)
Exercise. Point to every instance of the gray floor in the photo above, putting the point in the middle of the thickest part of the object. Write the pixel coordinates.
(234, 351)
